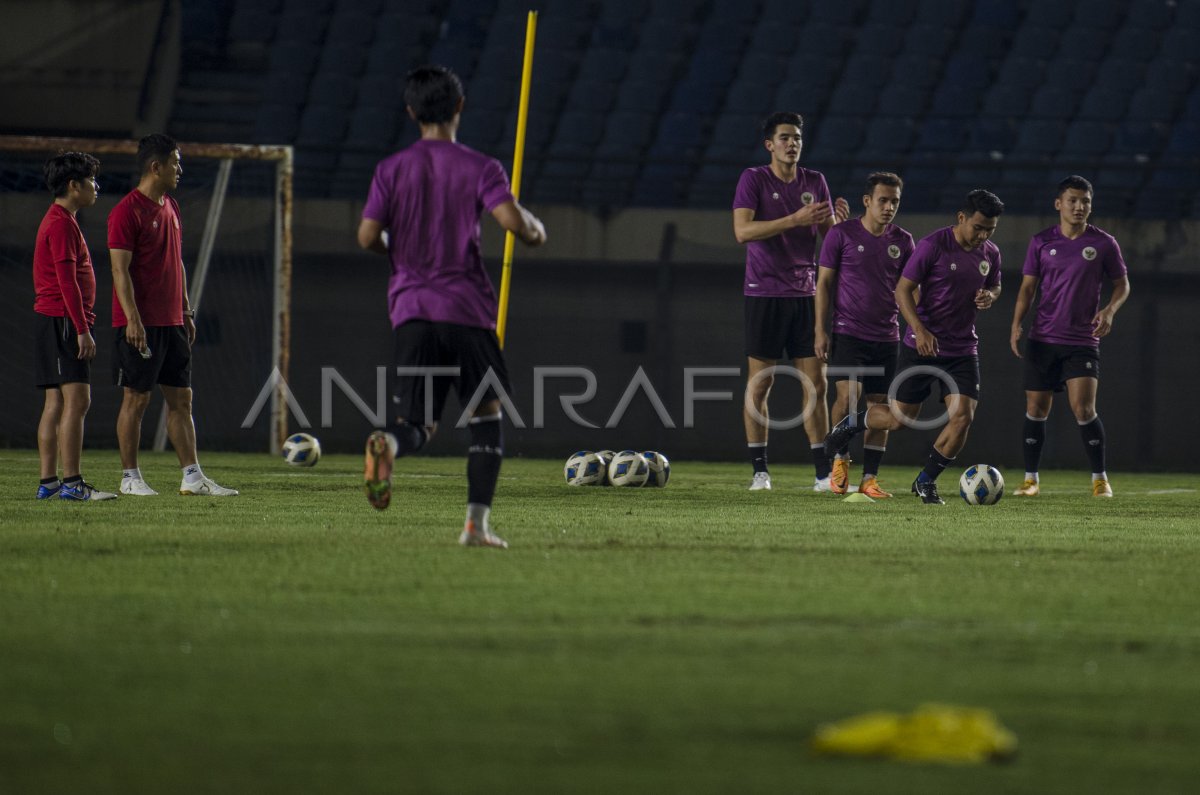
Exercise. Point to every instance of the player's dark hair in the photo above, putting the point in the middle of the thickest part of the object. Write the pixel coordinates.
(883, 178)
(776, 119)
(154, 148)
(984, 202)
(433, 93)
(66, 167)
(1073, 182)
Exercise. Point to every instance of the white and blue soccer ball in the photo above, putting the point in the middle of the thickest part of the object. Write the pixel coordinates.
(584, 468)
(302, 450)
(628, 468)
(660, 468)
(607, 456)
(981, 485)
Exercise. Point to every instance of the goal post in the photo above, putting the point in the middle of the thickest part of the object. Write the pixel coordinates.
(239, 185)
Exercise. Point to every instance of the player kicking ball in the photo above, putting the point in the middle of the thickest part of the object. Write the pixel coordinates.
(955, 272)
(1069, 263)
(427, 199)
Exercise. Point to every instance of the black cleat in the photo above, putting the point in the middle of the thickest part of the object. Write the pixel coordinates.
(927, 491)
(841, 435)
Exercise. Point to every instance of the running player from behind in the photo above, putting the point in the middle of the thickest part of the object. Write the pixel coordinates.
(860, 263)
(1069, 263)
(778, 210)
(423, 212)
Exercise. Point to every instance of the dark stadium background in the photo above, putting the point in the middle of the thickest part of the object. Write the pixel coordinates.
(643, 114)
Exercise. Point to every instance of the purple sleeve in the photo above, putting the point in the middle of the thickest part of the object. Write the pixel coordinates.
(494, 189)
(1033, 264)
(823, 189)
(993, 277)
(831, 250)
(918, 264)
(1114, 263)
(378, 198)
(746, 195)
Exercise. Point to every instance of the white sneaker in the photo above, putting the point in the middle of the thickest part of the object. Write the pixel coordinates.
(137, 487)
(473, 537)
(761, 482)
(205, 487)
(822, 484)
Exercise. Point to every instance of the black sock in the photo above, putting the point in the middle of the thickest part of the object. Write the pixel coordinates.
(410, 437)
(1093, 442)
(483, 459)
(50, 481)
(1035, 437)
(872, 457)
(758, 457)
(820, 462)
(73, 479)
(936, 464)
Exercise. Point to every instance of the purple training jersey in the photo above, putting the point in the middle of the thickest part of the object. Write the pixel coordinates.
(1072, 273)
(868, 267)
(949, 277)
(429, 196)
(780, 266)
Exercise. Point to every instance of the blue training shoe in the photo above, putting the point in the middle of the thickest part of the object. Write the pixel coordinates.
(83, 492)
(48, 492)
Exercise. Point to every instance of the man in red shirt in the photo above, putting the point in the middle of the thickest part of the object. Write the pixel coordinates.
(153, 319)
(65, 294)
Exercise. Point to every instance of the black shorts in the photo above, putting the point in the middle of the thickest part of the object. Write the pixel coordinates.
(1048, 366)
(56, 353)
(851, 351)
(170, 362)
(775, 326)
(474, 352)
(963, 371)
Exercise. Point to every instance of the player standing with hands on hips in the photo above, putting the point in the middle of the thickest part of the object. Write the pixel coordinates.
(65, 294)
(955, 272)
(1070, 263)
(422, 212)
(153, 321)
(777, 212)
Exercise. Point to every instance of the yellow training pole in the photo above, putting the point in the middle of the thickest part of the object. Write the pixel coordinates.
(518, 161)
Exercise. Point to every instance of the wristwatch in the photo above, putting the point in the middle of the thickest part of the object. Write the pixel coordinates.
(189, 313)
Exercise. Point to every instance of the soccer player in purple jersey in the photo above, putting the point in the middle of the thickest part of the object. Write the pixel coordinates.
(777, 211)
(1070, 263)
(423, 213)
(952, 274)
(860, 263)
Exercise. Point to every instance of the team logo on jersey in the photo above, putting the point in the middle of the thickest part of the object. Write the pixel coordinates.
(894, 252)
(1089, 253)
(154, 224)
(775, 196)
(984, 267)
(1053, 252)
(860, 249)
(807, 197)
(1088, 365)
(953, 266)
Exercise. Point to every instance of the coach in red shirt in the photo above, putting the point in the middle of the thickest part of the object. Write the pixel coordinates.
(153, 319)
(65, 293)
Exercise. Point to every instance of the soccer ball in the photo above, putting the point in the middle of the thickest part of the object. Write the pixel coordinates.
(302, 450)
(981, 485)
(584, 468)
(628, 468)
(606, 456)
(660, 468)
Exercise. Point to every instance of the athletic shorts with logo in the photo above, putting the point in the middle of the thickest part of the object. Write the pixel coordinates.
(1049, 366)
(56, 353)
(850, 351)
(474, 352)
(915, 387)
(776, 327)
(169, 363)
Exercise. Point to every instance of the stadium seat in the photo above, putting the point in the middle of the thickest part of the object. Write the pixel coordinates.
(578, 133)
(853, 96)
(292, 57)
(343, 59)
(321, 125)
(894, 15)
(773, 37)
(1139, 139)
(997, 15)
(1171, 76)
(276, 124)
(1099, 14)
(372, 128)
(942, 135)
(1184, 143)
(839, 136)
(603, 63)
(1153, 14)
(823, 39)
(1056, 15)
(285, 88)
(1084, 44)
(626, 133)
(1152, 103)
(1054, 102)
(332, 89)
(942, 12)
(752, 96)
(930, 41)
(1039, 138)
(302, 27)
(1087, 139)
(887, 138)
(352, 26)
(1191, 106)
(917, 69)
(990, 135)
(982, 45)
(903, 100)
(1103, 103)
(1006, 101)
(1135, 44)
(1035, 42)
(875, 41)
(492, 94)
(957, 101)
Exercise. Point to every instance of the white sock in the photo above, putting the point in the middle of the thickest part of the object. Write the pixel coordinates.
(131, 474)
(1031, 476)
(1099, 476)
(192, 474)
(479, 514)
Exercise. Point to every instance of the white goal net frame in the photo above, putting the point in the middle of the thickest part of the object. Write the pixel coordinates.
(226, 155)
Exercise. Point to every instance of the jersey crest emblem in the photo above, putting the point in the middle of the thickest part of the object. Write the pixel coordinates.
(807, 197)
(894, 251)
(953, 266)
(154, 224)
(1089, 253)
(1053, 252)
(984, 267)
(775, 196)
(860, 249)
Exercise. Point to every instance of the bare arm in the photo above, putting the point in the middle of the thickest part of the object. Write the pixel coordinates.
(522, 223)
(1029, 285)
(370, 236)
(135, 332)
(1102, 322)
(907, 292)
(746, 229)
(841, 211)
(826, 279)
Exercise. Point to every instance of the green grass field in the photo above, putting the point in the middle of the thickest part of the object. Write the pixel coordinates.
(686, 639)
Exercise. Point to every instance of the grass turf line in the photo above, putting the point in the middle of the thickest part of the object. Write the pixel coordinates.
(665, 640)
